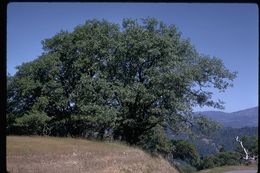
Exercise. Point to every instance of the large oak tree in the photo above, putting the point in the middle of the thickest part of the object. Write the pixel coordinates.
(125, 80)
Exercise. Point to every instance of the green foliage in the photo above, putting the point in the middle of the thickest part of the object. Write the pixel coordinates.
(185, 151)
(250, 143)
(222, 148)
(187, 168)
(130, 79)
(208, 162)
(184, 167)
(32, 123)
(155, 142)
(254, 147)
(227, 158)
(220, 159)
(205, 126)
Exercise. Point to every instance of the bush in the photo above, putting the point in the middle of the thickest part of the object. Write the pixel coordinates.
(183, 167)
(228, 158)
(208, 162)
(220, 159)
(33, 123)
(187, 168)
(185, 151)
(155, 142)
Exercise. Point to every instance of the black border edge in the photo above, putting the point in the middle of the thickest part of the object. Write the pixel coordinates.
(3, 96)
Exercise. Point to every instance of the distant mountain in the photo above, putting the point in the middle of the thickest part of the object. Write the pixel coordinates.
(239, 119)
(211, 143)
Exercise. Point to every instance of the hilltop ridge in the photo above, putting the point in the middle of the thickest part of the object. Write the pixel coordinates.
(238, 119)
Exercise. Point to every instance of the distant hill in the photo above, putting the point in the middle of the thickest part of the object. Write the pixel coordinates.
(240, 123)
(209, 144)
(239, 119)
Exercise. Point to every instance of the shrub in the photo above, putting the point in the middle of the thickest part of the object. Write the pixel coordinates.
(220, 159)
(33, 123)
(185, 151)
(208, 162)
(155, 142)
(183, 167)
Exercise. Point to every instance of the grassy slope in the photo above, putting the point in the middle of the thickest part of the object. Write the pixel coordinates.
(228, 168)
(51, 154)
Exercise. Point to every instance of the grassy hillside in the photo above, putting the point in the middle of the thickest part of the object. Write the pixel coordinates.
(51, 154)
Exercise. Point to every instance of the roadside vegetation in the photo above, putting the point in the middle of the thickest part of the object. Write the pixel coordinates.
(229, 168)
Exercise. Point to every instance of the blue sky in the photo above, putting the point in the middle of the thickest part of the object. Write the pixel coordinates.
(226, 31)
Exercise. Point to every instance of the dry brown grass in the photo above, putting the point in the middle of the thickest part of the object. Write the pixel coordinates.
(67, 155)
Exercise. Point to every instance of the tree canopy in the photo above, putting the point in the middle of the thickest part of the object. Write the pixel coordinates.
(104, 79)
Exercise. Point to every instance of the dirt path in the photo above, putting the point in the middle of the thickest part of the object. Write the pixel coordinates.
(242, 171)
